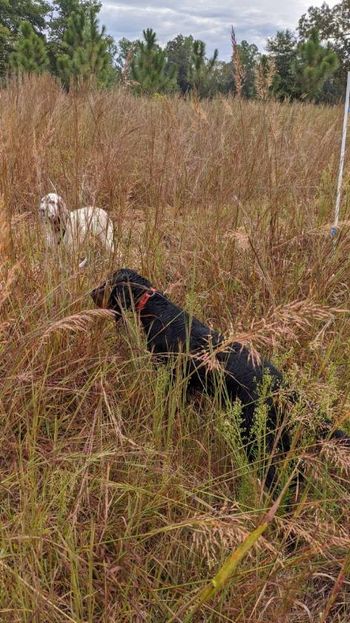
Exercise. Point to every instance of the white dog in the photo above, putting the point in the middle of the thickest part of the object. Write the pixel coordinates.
(73, 229)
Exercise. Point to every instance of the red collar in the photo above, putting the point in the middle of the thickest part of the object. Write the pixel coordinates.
(144, 299)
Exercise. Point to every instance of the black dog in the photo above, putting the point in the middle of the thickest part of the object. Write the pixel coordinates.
(170, 330)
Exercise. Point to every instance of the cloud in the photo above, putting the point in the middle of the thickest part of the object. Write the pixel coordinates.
(204, 19)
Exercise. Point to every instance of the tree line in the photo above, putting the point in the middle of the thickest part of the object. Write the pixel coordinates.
(64, 37)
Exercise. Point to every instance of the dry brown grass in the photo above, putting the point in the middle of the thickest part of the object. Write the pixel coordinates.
(118, 501)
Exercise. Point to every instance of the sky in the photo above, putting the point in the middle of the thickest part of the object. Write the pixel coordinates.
(209, 20)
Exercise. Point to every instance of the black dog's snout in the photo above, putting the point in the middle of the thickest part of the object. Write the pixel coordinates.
(98, 295)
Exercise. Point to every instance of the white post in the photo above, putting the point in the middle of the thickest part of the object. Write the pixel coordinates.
(334, 229)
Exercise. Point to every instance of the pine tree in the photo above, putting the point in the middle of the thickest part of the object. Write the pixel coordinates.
(283, 49)
(12, 14)
(150, 70)
(5, 49)
(179, 53)
(62, 10)
(30, 53)
(58, 23)
(201, 68)
(249, 58)
(333, 25)
(85, 56)
(313, 65)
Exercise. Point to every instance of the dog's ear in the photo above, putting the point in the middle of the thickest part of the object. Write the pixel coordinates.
(121, 291)
(42, 207)
(121, 297)
(113, 295)
(62, 208)
(125, 291)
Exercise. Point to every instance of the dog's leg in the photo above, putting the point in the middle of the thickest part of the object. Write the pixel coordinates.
(106, 240)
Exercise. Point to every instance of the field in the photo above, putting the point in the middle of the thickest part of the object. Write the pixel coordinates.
(119, 501)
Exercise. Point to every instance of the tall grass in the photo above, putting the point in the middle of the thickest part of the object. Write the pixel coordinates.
(120, 500)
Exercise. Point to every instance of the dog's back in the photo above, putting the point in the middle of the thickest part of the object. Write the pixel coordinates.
(171, 329)
(89, 221)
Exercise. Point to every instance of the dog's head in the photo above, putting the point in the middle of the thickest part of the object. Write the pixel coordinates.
(122, 291)
(53, 210)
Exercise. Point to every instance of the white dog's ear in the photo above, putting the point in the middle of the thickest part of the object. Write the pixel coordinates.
(62, 208)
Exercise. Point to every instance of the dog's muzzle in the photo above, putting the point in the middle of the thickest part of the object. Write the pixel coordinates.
(98, 296)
